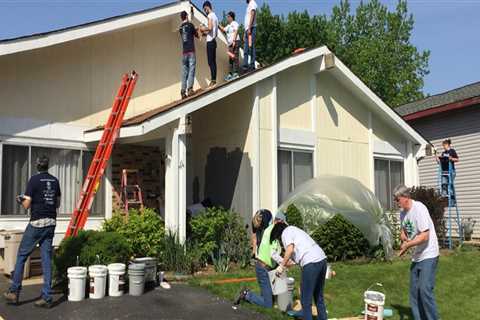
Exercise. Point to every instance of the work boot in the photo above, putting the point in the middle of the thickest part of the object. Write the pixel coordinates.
(183, 94)
(241, 296)
(191, 92)
(11, 297)
(42, 303)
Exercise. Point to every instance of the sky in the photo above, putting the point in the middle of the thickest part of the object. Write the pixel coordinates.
(450, 29)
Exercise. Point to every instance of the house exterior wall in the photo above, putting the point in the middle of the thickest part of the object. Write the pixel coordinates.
(463, 127)
(223, 152)
(75, 82)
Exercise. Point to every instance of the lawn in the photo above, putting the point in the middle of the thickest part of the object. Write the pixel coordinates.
(457, 290)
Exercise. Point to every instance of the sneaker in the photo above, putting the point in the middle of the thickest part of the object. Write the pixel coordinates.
(191, 92)
(235, 76)
(241, 296)
(42, 303)
(213, 83)
(183, 94)
(11, 297)
(228, 77)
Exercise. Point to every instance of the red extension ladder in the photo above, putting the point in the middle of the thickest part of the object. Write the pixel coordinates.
(102, 155)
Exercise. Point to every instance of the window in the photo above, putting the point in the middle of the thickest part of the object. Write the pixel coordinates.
(294, 168)
(388, 175)
(69, 166)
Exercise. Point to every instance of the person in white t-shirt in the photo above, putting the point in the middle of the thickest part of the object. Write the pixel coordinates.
(418, 232)
(233, 39)
(211, 32)
(306, 253)
(250, 34)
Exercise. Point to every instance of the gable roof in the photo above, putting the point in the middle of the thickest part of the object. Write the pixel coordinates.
(45, 39)
(155, 118)
(453, 99)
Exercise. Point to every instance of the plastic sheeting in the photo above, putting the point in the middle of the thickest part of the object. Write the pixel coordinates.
(322, 198)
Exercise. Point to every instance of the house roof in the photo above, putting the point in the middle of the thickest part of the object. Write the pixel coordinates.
(454, 99)
(45, 39)
(157, 117)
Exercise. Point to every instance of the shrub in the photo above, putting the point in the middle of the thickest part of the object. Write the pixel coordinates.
(435, 204)
(217, 226)
(294, 217)
(178, 257)
(340, 239)
(88, 248)
(144, 231)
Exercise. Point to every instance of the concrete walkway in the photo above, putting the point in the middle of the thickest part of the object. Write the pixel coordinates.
(180, 302)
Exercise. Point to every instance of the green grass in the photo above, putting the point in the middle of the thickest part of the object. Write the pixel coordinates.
(457, 289)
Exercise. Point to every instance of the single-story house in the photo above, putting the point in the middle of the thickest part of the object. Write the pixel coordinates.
(454, 115)
(244, 144)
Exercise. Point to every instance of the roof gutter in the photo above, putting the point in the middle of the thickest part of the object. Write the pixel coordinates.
(443, 108)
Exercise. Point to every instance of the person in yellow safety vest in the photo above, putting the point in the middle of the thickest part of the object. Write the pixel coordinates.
(267, 256)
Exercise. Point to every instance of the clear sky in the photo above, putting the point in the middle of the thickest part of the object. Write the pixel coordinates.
(450, 29)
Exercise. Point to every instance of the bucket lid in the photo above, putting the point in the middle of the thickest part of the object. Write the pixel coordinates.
(98, 268)
(144, 259)
(374, 296)
(77, 270)
(116, 266)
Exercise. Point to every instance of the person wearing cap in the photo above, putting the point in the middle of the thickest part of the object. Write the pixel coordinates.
(267, 256)
(306, 253)
(42, 197)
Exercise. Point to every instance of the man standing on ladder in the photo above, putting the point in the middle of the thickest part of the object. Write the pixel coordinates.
(43, 198)
(448, 157)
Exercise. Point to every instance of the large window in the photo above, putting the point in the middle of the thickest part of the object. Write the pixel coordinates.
(294, 168)
(69, 166)
(388, 175)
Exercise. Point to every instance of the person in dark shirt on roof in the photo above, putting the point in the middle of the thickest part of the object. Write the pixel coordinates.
(42, 197)
(446, 159)
(188, 33)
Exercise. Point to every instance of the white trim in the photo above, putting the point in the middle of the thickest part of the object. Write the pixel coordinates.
(45, 143)
(256, 144)
(274, 145)
(182, 183)
(313, 106)
(371, 159)
(297, 137)
(171, 182)
(383, 156)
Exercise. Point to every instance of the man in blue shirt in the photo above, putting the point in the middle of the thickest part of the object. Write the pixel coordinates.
(42, 197)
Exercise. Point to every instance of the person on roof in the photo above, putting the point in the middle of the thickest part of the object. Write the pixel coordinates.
(188, 33)
(211, 32)
(447, 161)
(233, 39)
(249, 37)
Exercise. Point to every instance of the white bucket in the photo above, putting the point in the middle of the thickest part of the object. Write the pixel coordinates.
(77, 280)
(150, 268)
(328, 275)
(116, 279)
(285, 300)
(374, 304)
(98, 281)
(136, 279)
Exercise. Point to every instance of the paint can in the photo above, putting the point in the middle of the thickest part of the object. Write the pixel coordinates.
(116, 279)
(77, 280)
(98, 281)
(374, 303)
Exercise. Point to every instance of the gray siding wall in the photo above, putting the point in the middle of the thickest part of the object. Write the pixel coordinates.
(463, 127)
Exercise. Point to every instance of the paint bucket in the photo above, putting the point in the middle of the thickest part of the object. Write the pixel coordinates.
(328, 275)
(150, 269)
(374, 303)
(98, 281)
(77, 280)
(136, 279)
(116, 279)
(285, 300)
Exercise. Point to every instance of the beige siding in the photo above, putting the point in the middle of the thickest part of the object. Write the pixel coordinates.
(294, 98)
(342, 131)
(75, 82)
(222, 148)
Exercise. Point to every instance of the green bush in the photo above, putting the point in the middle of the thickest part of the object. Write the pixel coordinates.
(178, 257)
(144, 231)
(219, 227)
(294, 217)
(341, 240)
(88, 248)
(435, 204)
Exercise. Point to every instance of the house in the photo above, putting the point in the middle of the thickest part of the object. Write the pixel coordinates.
(243, 145)
(454, 114)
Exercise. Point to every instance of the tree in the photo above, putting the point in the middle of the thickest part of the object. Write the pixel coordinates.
(374, 43)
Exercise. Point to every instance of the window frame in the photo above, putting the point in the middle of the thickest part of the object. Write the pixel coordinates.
(31, 145)
(389, 159)
(293, 150)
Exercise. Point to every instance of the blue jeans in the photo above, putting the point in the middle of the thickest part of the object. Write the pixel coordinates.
(189, 62)
(266, 298)
(313, 282)
(422, 284)
(32, 236)
(445, 183)
(249, 54)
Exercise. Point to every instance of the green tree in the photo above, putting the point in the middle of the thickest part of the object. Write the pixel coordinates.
(374, 43)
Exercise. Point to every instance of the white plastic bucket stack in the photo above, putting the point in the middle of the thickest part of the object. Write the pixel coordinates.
(136, 279)
(150, 268)
(77, 278)
(116, 279)
(98, 281)
(374, 303)
(285, 300)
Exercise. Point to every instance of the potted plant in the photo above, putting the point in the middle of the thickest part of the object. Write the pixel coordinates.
(467, 225)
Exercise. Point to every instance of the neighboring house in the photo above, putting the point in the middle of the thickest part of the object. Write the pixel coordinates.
(454, 114)
(243, 145)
